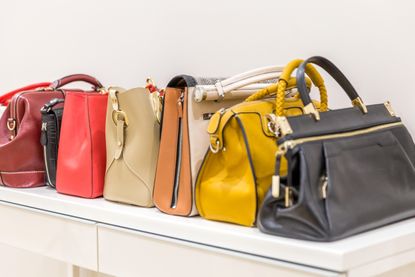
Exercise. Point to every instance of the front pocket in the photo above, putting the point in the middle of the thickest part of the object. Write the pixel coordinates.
(371, 182)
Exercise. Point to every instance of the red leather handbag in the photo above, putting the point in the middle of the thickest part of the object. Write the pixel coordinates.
(21, 163)
(82, 152)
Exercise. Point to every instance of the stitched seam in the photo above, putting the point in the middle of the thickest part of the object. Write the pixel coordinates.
(21, 172)
(90, 141)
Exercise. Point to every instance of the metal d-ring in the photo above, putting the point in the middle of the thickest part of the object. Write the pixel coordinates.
(215, 149)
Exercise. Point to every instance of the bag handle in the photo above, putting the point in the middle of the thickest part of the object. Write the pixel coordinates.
(76, 78)
(52, 103)
(5, 98)
(337, 75)
(285, 81)
(247, 78)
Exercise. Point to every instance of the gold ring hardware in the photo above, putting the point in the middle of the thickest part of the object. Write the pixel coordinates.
(215, 149)
(11, 124)
(119, 115)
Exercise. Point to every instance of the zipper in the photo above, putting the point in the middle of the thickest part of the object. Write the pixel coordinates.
(290, 144)
(175, 195)
(44, 131)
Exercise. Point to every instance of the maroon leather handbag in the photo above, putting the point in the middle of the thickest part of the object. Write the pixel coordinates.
(22, 162)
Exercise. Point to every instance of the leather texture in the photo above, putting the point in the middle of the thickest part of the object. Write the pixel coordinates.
(347, 183)
(23, 169)
(49, 139)
(233, 181)
(182, 152)
(82, 150)
(132, 149)
(6, 97)
(96, 85)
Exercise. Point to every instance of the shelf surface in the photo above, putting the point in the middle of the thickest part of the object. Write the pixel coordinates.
(339, 256)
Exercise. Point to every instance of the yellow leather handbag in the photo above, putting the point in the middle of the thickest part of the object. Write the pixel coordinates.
(237, 169)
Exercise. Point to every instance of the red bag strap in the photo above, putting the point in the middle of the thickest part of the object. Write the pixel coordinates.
(5, 98)
(76, 78)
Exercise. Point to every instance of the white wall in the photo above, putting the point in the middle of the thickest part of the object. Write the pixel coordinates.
(122, 42)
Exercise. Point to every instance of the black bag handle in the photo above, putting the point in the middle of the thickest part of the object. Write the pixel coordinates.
(337, 75)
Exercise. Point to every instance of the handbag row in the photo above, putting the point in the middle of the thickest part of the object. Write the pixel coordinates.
(253, 149)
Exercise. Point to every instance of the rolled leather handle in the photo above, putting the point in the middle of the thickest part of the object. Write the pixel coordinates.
(337, 75)
(76, 78)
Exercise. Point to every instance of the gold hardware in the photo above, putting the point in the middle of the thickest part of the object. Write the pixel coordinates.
(275, 186)
(278, 125)
(310, 109)
(290, 144)
(284, 126)
(102, 90)
(357, 102)
(288, 199)
(324, 186)
(215, 149)
(389, 108)
(11, 124)
(119, 115)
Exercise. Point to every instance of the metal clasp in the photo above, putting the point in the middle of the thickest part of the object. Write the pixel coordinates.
(11, 124)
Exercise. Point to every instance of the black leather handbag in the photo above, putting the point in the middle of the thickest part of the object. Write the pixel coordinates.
(49, 138)
(349, 170)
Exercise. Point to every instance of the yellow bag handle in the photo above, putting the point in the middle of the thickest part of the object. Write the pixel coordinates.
(286, 80)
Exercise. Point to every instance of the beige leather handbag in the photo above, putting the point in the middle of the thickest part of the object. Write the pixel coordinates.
(132, 140)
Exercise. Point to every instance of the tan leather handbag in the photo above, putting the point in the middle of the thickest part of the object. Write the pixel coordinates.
(132, 140)
(189, 103)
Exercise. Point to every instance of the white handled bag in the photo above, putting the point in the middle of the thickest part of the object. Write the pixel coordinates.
(189, 102)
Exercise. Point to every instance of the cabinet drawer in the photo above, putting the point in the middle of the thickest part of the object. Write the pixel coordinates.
(124, 252)
(53, 235)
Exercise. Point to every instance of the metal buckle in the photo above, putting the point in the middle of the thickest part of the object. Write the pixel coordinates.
(119, 115)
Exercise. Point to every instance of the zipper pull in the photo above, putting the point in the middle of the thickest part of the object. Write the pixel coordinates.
(180, 101)
(323, 187)
(43, 136)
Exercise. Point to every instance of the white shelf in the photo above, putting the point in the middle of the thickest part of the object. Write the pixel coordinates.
(339, 256)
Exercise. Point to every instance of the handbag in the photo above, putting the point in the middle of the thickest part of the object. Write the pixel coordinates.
(132, 142)
(189, 103)
(20, 130)
(49, 139)
(238, 167)
(81, 155)
(349, 170)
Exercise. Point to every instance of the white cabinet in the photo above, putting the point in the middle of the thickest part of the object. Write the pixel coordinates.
(123, 240)
(56, 236)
